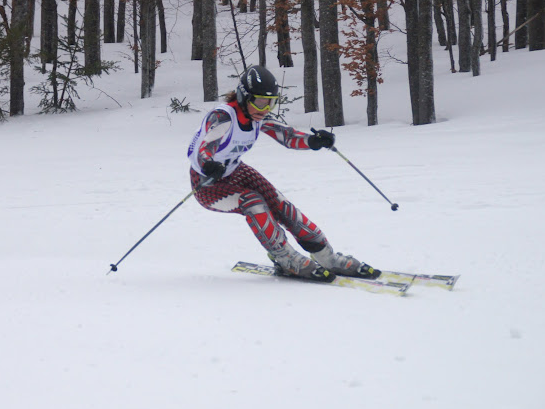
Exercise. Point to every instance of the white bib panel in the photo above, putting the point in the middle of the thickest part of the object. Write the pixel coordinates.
(233, 144)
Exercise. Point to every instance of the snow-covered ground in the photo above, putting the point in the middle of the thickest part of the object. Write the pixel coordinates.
(174, 328)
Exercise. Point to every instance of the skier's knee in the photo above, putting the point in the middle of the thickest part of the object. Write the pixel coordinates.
(252, 202)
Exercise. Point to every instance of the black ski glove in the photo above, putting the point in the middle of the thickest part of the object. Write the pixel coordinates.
(321, 139)
(214, 170)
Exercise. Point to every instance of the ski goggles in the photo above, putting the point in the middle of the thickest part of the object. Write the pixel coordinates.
(263, 103)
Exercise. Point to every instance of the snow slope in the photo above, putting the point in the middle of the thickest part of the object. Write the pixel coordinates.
(174, 328)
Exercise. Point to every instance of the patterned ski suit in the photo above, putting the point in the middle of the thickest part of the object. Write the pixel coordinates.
(225, 134)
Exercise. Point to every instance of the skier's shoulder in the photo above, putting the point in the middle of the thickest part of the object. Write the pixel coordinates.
(219, 115)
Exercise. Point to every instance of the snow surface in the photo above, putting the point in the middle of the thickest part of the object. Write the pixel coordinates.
(174, 328)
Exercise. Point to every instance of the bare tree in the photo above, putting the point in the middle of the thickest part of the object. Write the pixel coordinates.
(521, 35)
(92, 37)
(464, 35)
(505, 19)
(19, 21)
(371, 63)
(71, 23)
(148, 28)
(162, 25)
(310, 77)
(451, 30)
(536, 27)
(420, 60)
(330, 64)
(109, 21)
(121, 12)
(448, 9)
(382, 15)
(30, 25)
(283, 32)
(196, 44)
(491, 12)
(49, 32)
(439, 25)
(135, 34)
(262, 39)
(209, 61)
(477, 9)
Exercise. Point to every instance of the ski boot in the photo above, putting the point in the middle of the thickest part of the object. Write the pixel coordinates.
(289, 262)
(344, 265)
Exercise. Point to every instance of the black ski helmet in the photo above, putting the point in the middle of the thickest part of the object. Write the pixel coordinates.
(256, 80)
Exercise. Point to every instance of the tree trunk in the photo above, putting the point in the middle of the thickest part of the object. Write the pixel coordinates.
(448, 8)
(382, 15)
(49, 32)
(109, 21)
(491, 11)
(411, 17)
(451, 31)
(148, 28)
(243, 6)
(121, 11)
(426, 109)
(464, 35)
(196, 44)
(521, 36)
(91, 37)
(71, 23)
(371, 62)
(30, 26)
(536, 27)
(437, 16)
(135, 34)
(209, 62)
(19, 22)
(262, 40)
(330, 64)
(162, 25)
(505, 18)
(253, 4)
(310, 76)
(477, 7)
(283, 32)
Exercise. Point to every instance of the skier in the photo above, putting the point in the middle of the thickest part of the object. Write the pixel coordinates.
(231, 186)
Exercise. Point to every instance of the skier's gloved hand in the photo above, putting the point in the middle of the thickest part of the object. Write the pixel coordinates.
(214, 170)
(321, 139)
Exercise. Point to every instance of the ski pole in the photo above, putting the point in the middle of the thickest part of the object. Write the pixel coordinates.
(394, 206)
(114, 266)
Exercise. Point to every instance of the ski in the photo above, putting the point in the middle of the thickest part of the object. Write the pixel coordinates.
(443, 281)
(373, 286)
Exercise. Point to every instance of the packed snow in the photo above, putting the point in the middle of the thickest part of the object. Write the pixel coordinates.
(175, 328)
